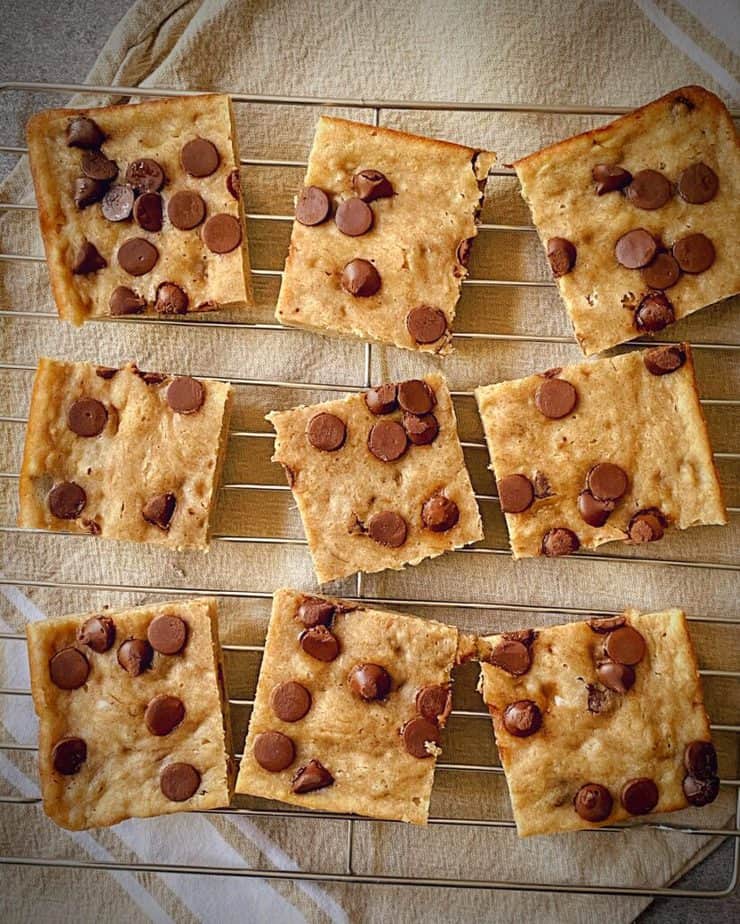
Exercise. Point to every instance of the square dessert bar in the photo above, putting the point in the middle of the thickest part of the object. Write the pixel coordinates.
(382, 236)
(610, 449)
(123, 454)
(133, 715)
(599, 721)
(639, 218)
(140, 207)
(349, 707)
(379, 478)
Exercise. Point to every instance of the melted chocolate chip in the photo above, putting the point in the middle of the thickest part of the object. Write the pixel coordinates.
(662, 273)
(648, 190)
(137, 256)
(311, 777)
(222, 233)
(439, 513)
(387, 440)
(360, 278)
(415, 396)
(159, 510)
(607, 481)
(326, 432)
(186, 209)
(234, 183)
(646, 526)
(186, 395)
(179, 782)
(700, 759)
(593, 802)
(371, 184)
(87, 417)
(98, 167)
(290, 701)
(354, 217)
(163, 714)
(593, 511)
(118, 203)
(148, 212)
(125, 301)
(313, 206)
(700, 792)
(88, 260)
(421, 430)
(167, 634)
(68, 755)
(381, 399)
(512, 656)
(559, 541)
(605, 624)
(69, 669)
(145, 176)
(639, 796)
(555, 398)
(434, 702)
(319, 643)
(654, 313)
(698, 184)
(664, 360)
(561, 255)
(625, 645)
(636, 248)
(515, 493)
(616, 677)
(171, 299)
(522, 718)
(694, 253)
(66, 500)
(314, 612)
(425, 324)
(199, 157)
(86, 191)
(610, 177)
(369, 682)
(419, 733)
(98, 633)
(387, 528)
(84, 133)
(135, 656)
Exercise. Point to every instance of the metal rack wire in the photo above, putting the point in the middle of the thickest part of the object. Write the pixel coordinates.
(348, 875)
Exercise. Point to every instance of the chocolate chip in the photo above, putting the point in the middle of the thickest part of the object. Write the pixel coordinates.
(664, 360)
(616, 677)
(68, 669)
(648, 190)
(163, 714)
(561, 255)
(698, 184)
(625, 645)
(511, 656)
(542, 486)
(353, 217)
(522, 718)
(387, 440)
(199, 157)
(68, 755)
(360, 278)
(186, 395)
(694, 253)
(84, 133)
(371, 184)
(67, 500)
(311, 777)
(148, 212)
(610, 177)
(439, 513)
(515, 493)
(381, 399)
(314, 612)
(167, 634)
(87, 260)
(605, 624)
(636, 248)
(662, 273)
(639, 796)
(555, 398)
(135, 656)
(186, 209)
(313, 206)
(646, 526)
(434, 702)
(171, 299)
(559, 541)
(98, 633)
(700, 759)
(425, 324)
(145, 176)
(273, 751)
(593, 511)
(137, 256)
(222, 233)
(525, 636)
(179, 782)
(290, 701)
(369, 682)
(117, 203)
(234, 183)
(416, 397)
(419, 732)
(607, 481)
(125, 301)
(593, 802)
(87, 417)
(700, 792)
(319, 643)
(151, 378)
(105, 372)
(87, 191)
(421, 431)
(462, 253)
(98, 167)
(326, 432)
(654, 313)
(159, 510)
(387, 528)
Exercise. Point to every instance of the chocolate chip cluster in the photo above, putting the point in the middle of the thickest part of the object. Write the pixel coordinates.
(88, 418)
(354, 217)
(139, 196)
(388, 440)
(291, 701)
(70, 667)
(605, 483)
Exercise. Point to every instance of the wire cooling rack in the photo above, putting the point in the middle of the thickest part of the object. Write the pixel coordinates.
(348, 873)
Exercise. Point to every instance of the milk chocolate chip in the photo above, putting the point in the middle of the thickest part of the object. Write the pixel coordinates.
(273, 751)
(371, 184)
(607, 481)
(636, 248)
(167, 634)
(625, 646)
(593, 511)
(68, 669)
(387, 528)
(593, 802)
(561, 255)
(698, 184)
(654, 313)
(179, 782)
(186, 395)
(381, 399)
(148, 212)
(616, 677)
(311, 777)
(290, 701)
(163, 714)
(326, 432)
(700, 792)
(98, 167)
(419, 732)
(145, 176)
(66, 500)
(421, 430)
(98, 633)
(222, 233)
(610, 177)
(135, 656)
(415, 396)
(68, 755)
(522, 718)
(118, 202)
(694, 253)
(387, 440)
(515, 493)
(314, 612)
(353, 217)
(369, 682)
(512, 656)
(559, 541)
(319, 643)
(425, 324)
(199, 157)
(171, 299)
(555, 398)
(646, 526)
(84, 133)
(605, 624)
(639, 796)
(87, 417)
(87, 260)
(125, 301)
(434, 702)
(439, 513)
(234, 183)
(360, 278)
(159, 510)
(137, 256)
(87, 191)
(700, 759)
(313, 206)
(648, 190)
(186, 209)
(662, 273)
(664, 360)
